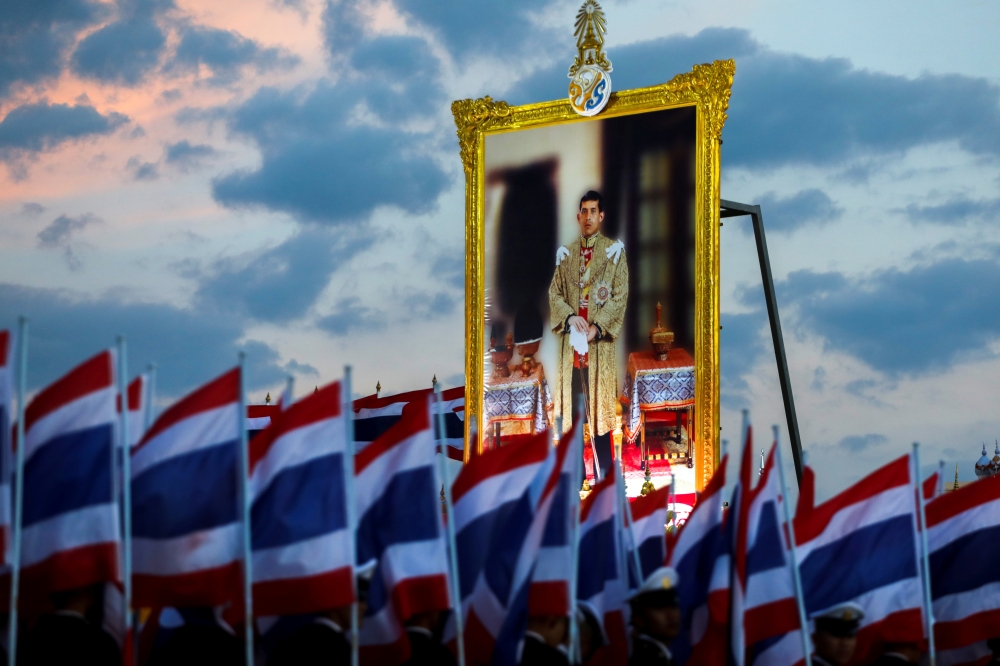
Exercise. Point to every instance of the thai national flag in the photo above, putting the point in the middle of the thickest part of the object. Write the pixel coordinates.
(766, 628)
(186, 519)
(602, 577)
(861, 546)
(303, 548)
(963, 538)
(6, 421)
(550, 582)
(70, 520)
(649, 529)
(701, 555)
(373, 416)
(259, 417)
(484, 494)
(498, 605)
(400, 528)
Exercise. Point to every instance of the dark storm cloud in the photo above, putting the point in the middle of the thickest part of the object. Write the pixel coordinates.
(319, 166)
(58, 233)
(191, 346)
(787, 214)
(789, 109)
(349, 316)
(34, 34)
(225, 52)
(902, 322)
(33, 128)
(858, 443)
(956, 211)
(490, 27)
(185, 155)
(279, 284)
(121, 52)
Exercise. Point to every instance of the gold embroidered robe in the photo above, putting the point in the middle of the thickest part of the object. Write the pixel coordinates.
(564, 298)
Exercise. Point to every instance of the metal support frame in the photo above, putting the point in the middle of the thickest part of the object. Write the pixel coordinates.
(734, 209)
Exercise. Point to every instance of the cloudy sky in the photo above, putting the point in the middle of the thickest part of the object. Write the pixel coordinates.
(282, 177)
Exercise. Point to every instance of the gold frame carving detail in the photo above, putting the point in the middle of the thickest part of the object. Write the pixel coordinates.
(706, 87)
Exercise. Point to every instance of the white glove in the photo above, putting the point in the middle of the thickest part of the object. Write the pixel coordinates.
(578, 341)
(561, 254)
(614, 251)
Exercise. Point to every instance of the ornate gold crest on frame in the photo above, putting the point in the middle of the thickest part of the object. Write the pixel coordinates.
(703, 96)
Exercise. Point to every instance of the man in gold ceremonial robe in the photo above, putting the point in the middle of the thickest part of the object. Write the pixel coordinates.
(588, 293)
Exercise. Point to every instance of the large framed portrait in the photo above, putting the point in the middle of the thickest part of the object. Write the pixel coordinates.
(592, 271)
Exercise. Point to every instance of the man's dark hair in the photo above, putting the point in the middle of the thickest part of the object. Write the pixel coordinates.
(593, 195)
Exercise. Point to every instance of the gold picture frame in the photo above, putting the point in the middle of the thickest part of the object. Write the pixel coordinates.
(706, 87)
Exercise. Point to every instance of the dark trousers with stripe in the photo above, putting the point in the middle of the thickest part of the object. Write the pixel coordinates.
(602, 443)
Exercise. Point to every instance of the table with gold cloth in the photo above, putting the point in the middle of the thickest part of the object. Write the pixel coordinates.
(653, 385)
(521, 404)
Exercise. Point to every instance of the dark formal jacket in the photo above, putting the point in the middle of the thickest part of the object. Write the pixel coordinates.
(539, 653)
(68, 638)
(647, 651)
(200, 644)
(319, 643)
(426, 650)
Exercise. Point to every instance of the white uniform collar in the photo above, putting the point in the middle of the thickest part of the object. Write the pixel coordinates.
(663, 648)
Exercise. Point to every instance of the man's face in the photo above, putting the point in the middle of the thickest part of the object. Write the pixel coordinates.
(836, 650)
(589, 218)
(662, 623)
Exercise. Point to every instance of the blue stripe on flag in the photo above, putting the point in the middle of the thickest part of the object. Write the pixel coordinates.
(515, 622)
(864, 560)
(67, 473)
(301, 502)
(473, 545)
(598, 559)
(454, 427)
(766, 552)
(651, 556)
(188, 493)
(370, 428)
(407, 511)
(505, 549)
(557, 528)
(967, 563)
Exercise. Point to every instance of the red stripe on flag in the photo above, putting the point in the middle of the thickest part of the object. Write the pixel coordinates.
(294, 596)
(420, 594)
(550, 597)
(968, 630)
(92, 375)
(208, 587)
(68, 570)
(517, 451)
(958, 501)
(414, 419)
(223, 390)
(318, 406)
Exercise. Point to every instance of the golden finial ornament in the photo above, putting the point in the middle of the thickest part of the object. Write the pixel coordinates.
(378, 388)
(434, 380)
(647, 483)
(955, 487)
(267, 398)
(590, 73)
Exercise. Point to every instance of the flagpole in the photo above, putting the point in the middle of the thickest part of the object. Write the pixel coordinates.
(673, 499)
(939, 489)
(245, 496)
(924, 556)
(126, 467)
(15, 567)
(627, 508)
(796, 577)
(573, 499)
(352, 509)
(456, 598)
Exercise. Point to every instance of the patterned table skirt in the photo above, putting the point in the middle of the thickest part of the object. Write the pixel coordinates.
(654, 389)
(523, 400)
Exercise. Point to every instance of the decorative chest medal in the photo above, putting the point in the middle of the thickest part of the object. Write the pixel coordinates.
(590, 74)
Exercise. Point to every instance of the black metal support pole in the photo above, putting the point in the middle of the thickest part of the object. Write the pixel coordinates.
(733, 209)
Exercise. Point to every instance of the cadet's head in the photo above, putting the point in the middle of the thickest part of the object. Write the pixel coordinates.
(591, 635)
(552, 628)
(836, 633)
(591, 213)
(655, 611)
